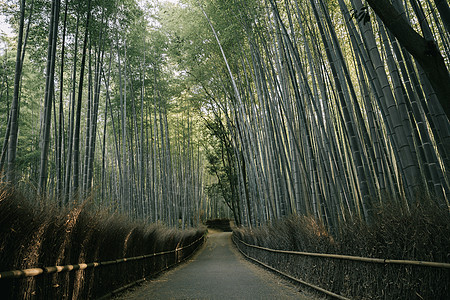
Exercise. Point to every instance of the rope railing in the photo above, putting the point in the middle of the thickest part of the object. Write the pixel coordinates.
(82, 266)
(246, 250)
(334, 295)
(125, 287)
(354, 258)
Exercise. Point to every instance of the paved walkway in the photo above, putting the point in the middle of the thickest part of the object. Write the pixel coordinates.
(217, 272)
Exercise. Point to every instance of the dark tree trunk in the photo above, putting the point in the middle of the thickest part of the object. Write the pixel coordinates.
(49, 93)
(425, 52)
(67, 179)
(76, 139)
(12, 145)
(59, 152)
(444, 11)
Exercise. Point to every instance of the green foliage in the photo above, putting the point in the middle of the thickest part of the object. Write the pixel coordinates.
(281, 132)
(221, 163)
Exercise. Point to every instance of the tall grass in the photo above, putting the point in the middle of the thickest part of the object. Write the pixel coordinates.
(422, 233)
(35, 236)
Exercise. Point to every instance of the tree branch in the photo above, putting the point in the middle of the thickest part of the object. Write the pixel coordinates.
(425, 52)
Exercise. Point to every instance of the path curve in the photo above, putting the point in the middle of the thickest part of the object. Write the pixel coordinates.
(218, 271)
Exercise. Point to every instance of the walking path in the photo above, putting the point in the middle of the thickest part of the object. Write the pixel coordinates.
(217, 272)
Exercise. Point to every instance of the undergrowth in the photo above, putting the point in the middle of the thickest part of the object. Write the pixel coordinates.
(421, 234)
(36, 236)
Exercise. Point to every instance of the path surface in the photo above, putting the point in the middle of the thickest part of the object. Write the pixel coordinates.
(217, 272)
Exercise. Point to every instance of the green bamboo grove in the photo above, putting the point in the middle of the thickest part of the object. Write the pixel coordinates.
(176, 111)
(327, 113)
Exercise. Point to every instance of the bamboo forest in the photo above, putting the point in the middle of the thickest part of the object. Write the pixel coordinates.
(315, 113)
